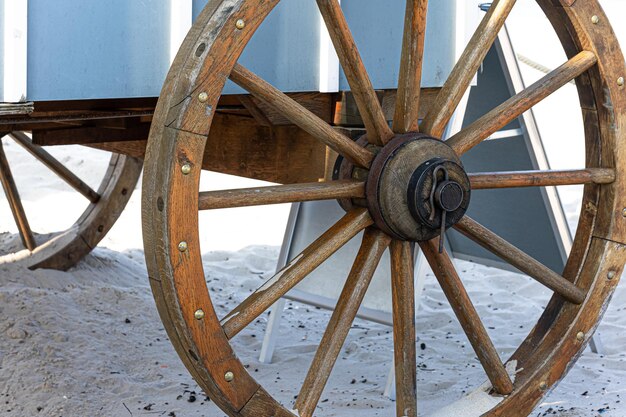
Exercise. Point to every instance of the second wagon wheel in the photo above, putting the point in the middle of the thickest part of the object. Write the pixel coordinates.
(405, 185)
(63, 249)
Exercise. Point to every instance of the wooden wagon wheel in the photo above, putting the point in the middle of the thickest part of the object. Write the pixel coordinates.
(62, 249)
(428, 182)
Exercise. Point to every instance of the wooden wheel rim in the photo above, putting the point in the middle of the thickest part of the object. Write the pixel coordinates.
(178, 137)
(63, 249)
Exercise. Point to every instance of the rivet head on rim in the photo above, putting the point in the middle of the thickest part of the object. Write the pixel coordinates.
(229, 376)
(240, 24)
(595, 19)
(580, 336)
(203, 97)
(620, 81)
(182, 246)
(610, 275)
(543, 385)
(186, 169)
(199, 314)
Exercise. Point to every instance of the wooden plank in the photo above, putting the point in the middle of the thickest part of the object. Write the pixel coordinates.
(90, 134)
(320, 104)
(255, 111)
(240, 146)
(347, 112)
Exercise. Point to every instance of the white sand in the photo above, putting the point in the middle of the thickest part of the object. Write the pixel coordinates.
(68, 349)
(89, 342)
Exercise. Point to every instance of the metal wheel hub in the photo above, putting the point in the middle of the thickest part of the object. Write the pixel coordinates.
(417, 187)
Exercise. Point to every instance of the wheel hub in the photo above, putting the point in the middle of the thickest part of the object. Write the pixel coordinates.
(416, 187)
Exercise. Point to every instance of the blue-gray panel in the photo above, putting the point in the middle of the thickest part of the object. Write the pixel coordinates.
(520, 215)
(377, 28)
(285, 49)
(88, 49)
(198, 5)
(1, 50)
(292, 30)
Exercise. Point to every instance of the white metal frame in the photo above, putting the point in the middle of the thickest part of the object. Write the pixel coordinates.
(15, 43)
(328, 62)
(181, 19)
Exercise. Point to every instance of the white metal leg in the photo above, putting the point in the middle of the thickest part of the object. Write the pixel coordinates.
(273, 324)
(595, 344)
(390, 386)
(272, 331)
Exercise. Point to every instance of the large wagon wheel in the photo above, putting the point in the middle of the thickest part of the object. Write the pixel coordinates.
(399, 209)
(62, 249)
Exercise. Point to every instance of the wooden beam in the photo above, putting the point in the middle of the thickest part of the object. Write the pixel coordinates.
(89, 134)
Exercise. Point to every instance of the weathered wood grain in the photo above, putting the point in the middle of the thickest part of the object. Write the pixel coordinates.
(15, 202)
(280, 194)
(378, 131)
(520, 260)
(465, 312)
(55, 166)
(403, 300)
(295, 271)
(301, 116)
(514, 107)
(463, 72)
(512, 179)
(372, 248)
(408, 98)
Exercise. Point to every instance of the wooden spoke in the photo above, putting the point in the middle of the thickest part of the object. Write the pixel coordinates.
(378, 131)
(520, 260)
(468, 317)
(457, 84)
(488, 180)
(374, 244)
(13, 196)
(55, 166)
(312, 257)
(300, 116)
(407, 99)
(403, 297)
(514, 107)
(281, 194)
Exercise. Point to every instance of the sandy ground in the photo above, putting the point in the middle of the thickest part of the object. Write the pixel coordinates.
(89, 342)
